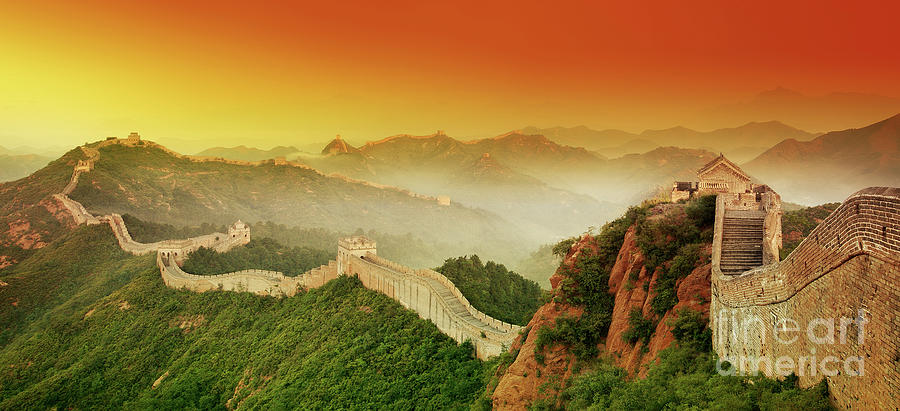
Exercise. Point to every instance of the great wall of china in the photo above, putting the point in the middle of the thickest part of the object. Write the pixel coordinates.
(428, 293)
(842, 281)
(848, 268)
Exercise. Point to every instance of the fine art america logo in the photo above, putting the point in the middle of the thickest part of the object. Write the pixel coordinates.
(801, 342)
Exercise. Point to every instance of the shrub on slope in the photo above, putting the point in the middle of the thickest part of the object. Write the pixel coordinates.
(493, 289)
(109, 334)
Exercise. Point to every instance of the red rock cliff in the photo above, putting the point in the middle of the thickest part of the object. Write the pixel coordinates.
(526, 380)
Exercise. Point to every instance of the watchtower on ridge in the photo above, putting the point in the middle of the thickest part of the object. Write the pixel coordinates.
(352, 247)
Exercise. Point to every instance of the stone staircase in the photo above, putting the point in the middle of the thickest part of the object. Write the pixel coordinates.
(456, 306)
(742, 241)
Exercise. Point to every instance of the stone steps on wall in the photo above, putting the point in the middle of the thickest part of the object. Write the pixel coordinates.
(455, 305)
(742, 240)
(745, 214)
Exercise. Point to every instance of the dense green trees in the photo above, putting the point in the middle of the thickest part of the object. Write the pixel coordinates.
(263, 254)
(493, 289)
(147, 232)
(684, 376)
(586, 284)
(802, 222)
(96, 328)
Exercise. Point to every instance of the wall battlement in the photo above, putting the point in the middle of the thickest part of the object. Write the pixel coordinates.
(435, 298)
(428, 293)
(846, 270)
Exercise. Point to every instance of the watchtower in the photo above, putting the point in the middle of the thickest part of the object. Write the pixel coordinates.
(84, 165)
(350, 248)
(239, 230)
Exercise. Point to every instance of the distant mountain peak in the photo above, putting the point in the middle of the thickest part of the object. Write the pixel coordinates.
(338, 146)
(439, 134)
(833, 165)
(516, 133)
(895, 119)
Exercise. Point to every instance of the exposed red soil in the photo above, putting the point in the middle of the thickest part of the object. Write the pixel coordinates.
(59, 211)
(525, 380)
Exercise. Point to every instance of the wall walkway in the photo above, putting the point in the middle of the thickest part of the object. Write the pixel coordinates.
(845, 273)
(428, 293)
(435, 298)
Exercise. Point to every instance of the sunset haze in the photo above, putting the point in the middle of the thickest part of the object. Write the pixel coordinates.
(196, 74)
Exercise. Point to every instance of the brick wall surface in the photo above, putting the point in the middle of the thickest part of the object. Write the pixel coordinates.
(846, 272)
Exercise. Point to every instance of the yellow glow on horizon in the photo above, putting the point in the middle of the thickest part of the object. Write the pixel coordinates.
(224, 73)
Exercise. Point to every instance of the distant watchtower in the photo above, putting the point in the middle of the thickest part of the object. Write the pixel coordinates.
(718, 176)
(723, 176)
(133, 138)
(352, 247)
(84, 165)
(240, 231)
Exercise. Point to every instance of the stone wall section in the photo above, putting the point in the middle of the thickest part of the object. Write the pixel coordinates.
(434, 298)
(428, 293)
(846, 271)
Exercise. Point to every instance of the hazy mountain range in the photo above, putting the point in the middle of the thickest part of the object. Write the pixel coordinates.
(505, 175)
(15, 167)
(546, 188)
(832, 111)
(834, 165)
(245, 153)
(740, 144)
(614, 166)
(527, 187)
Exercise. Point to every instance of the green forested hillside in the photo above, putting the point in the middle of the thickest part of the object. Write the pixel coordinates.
(684, 376)
(539, 266)
(493, 289)
(87, 326)
(148, 232)
(29, 217)
(797, 224)
(263, 254)
(156, 186)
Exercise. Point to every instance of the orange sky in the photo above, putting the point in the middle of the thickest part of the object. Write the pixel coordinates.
(289, 73)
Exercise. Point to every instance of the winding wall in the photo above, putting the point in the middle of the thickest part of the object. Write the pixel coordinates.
(428, 293)
(843, 284)
(435, 298)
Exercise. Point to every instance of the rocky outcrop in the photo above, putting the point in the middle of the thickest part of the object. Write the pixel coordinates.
(338, 146)
(527, 379)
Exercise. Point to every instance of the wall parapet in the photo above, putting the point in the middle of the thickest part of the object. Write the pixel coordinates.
(846, 273)
(866, 223)
(434, 298)
(424, 272)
